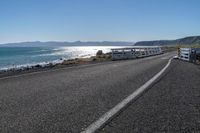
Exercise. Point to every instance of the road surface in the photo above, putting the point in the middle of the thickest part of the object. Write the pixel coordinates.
(172, 105)
(70, 99)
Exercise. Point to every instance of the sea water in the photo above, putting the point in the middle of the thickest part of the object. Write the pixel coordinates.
(16, 57)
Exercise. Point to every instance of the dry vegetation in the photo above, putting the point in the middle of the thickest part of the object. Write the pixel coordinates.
(100, 56)
(175, 47)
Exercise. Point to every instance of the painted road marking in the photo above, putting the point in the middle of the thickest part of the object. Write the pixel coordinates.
(111, 113)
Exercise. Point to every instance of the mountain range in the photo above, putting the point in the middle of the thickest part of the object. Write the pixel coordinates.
(192, 40)
(77, 43)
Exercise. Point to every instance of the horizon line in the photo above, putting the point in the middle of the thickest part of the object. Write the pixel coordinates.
(61, 41)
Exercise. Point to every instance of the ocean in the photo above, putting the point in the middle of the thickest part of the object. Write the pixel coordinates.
(18, 57)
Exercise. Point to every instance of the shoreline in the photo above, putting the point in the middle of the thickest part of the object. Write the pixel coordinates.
(62, 63)
(55, 65)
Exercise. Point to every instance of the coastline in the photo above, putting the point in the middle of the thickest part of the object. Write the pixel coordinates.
(55, 65)
(62, 63)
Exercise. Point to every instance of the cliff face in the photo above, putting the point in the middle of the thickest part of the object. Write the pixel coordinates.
(190, 40)
(183, 41)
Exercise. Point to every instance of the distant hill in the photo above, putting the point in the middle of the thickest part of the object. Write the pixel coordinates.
(183, 41)
(77, 43)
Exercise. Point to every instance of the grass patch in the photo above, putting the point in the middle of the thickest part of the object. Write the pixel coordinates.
(166, 49)
(98, 58)
(176, 47)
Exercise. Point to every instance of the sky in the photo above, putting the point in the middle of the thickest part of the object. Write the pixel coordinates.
(98, 20)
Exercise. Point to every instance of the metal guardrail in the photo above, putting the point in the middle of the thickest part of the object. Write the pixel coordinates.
(189, 54)
(184, 54)
(135, 52)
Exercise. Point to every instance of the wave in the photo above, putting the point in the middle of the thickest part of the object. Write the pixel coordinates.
(31, 65)
(36, 55)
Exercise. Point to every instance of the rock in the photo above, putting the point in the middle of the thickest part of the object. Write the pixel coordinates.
(99, 52)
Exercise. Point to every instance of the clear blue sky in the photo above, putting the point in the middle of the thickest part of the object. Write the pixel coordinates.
(97, 20)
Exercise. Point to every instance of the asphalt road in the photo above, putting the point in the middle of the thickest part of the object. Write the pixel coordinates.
(70, 99)
(171, 105)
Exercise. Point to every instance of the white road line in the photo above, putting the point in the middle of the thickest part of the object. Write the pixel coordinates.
(107, 116)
